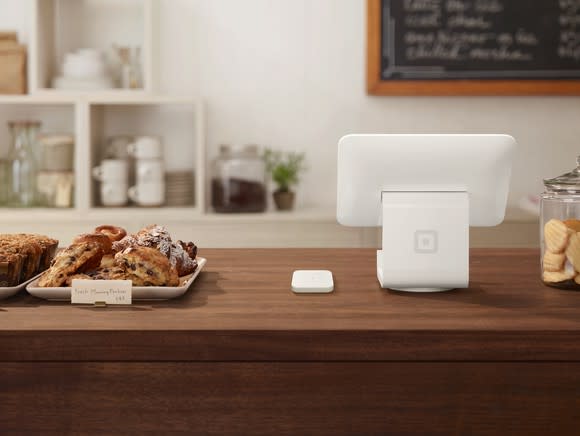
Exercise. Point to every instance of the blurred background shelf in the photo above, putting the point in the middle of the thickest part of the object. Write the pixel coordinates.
(58, 27)
(304, 104)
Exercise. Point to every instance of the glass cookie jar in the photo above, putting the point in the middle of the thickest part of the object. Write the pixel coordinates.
(560, 230)
(238, 181)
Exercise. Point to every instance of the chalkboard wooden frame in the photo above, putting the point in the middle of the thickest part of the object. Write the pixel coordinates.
(377, 86)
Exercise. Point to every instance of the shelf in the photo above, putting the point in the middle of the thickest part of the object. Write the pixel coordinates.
(39, 215)
(62, 26)
(105, 97)
(36, 99)
(55, 118)
(194, 214)
(153, 214)
(302, 215)
(178, 126)
(133, 97)
(101, 215)
(169, 214)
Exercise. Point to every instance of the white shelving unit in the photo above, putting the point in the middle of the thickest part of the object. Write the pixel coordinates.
(62, 26)
(179, 121)
(59, 26)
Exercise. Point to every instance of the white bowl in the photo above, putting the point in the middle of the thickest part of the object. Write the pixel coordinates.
(83, 66)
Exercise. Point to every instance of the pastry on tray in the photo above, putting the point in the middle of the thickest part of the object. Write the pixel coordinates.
(78, 258)
(114, 233)
(10, 268)
(147, 267)
(158, 237)
(22, 256)
(148, 258)
(98, 238)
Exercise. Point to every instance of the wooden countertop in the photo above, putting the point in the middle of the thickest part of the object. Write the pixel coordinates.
(241, 308)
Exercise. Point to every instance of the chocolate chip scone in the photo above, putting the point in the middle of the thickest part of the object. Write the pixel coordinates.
(77, 258)
(147, 267)
(107, 261)
(109, 273)
(70, 279)
(98, 238)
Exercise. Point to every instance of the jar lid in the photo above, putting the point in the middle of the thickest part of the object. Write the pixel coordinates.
(120, 139)
(225, 150)
(247, 151)
(55, 139)
(252, 149)
(569, 182)
(24, 123)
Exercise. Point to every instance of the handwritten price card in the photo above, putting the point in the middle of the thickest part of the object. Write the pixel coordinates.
(110, 292)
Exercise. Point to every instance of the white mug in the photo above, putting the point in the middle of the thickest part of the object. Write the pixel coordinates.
(112, 170)
(113, 194)
(85, 63)
(150, 171)
(146, 147)
(117, 146)
(148, 194)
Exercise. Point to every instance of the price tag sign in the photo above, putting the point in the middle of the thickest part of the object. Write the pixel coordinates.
(109, 292)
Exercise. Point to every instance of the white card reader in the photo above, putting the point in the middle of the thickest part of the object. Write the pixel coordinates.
(312, 282)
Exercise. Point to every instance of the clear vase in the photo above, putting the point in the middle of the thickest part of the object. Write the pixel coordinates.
(22, 163)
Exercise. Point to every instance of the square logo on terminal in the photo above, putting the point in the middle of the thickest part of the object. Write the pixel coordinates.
(426, 241)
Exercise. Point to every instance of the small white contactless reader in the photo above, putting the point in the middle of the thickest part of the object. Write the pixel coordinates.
(312, 282)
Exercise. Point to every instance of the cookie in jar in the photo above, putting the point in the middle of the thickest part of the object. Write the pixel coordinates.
(560, 230)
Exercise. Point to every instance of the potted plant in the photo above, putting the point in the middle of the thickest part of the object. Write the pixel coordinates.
(285, 169)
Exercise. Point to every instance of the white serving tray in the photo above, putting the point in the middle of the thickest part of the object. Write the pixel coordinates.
(139, 293)
(13, 290)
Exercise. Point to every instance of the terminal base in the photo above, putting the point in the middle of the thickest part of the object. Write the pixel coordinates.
(425, 241)
(385, 285)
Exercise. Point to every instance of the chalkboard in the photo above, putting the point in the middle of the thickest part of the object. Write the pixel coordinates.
(474, 46)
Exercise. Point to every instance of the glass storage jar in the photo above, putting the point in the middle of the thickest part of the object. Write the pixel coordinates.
(560, 230)
(23, 163)
(238, 181)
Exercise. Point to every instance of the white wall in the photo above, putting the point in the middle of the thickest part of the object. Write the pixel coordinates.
(14, 17)
(291, 74)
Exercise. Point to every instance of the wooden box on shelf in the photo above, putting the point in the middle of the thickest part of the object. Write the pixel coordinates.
(12, 64)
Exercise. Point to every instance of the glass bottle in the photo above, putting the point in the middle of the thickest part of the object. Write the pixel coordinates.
(136, 81)
(560, 230)
(4, 182)
(22, 162)
(238, 181)
(130, 64)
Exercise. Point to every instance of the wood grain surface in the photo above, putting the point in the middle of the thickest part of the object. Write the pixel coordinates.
(241, 308)
(290, 398)
(241, 354)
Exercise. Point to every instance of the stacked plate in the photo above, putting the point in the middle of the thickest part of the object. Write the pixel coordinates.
(179, 188)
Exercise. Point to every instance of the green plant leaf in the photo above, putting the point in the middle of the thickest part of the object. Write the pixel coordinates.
(284, 168)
